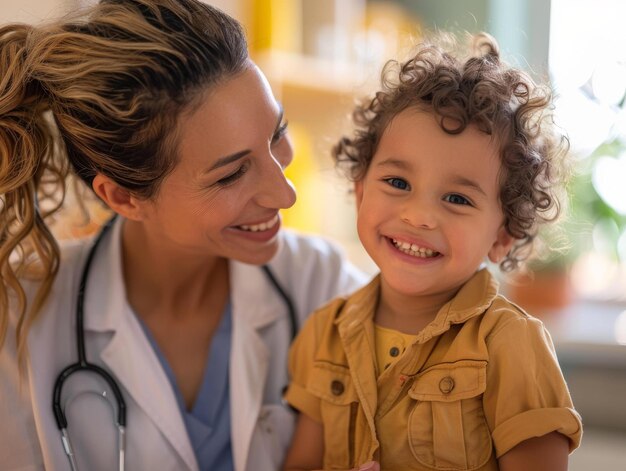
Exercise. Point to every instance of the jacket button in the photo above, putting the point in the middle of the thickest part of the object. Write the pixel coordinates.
(337, 387)
(446, 385)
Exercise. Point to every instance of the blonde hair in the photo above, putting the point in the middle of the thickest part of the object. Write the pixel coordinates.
(98, 92)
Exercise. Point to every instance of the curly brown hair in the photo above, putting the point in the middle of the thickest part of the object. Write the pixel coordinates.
(478, 89)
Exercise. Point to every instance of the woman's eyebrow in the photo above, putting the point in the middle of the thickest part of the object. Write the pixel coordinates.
(222, 161)
(227, 160)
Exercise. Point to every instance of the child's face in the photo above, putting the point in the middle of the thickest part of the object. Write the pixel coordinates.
(428, 207)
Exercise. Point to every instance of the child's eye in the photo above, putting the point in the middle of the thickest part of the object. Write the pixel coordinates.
(457, 199)
(233, 177)
(280, 132)
(398, 183)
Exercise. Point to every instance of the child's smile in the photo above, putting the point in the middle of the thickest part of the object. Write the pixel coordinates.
(418, 250)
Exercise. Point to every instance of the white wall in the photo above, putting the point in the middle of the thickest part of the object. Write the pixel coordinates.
(33, 11)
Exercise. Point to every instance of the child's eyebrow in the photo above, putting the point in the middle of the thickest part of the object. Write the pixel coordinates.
(464, 181)
(392, 162)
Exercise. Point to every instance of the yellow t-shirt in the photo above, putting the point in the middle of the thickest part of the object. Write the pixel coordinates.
(390, 344)
(475, 382)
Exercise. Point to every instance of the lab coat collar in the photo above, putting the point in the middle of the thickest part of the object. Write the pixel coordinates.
(106, 280)
(128, 353)
(250, 356)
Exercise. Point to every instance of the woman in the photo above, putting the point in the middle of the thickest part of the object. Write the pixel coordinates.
(157, 107)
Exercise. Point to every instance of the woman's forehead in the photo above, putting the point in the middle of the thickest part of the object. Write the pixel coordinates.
(233, 115)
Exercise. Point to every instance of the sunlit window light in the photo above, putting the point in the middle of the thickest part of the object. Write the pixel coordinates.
(609, 82)
(620, 328)
(590, 81)
(609, 175)
(621, 247)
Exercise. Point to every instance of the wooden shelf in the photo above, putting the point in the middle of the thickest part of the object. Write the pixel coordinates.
(285, 69)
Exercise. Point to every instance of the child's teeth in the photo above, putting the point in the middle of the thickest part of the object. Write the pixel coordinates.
(414, 249)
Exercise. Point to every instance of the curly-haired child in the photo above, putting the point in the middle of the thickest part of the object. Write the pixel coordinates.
(455, 160)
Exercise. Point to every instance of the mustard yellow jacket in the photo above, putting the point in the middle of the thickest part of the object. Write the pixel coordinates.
(478, 380)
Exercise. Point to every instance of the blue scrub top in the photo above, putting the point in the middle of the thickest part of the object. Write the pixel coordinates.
(208, 422)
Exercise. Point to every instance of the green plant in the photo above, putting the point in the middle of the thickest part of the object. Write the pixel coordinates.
(590, 221)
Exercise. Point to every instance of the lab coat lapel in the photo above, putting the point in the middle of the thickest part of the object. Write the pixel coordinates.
(128, 353)
(253, 309)
(51, 347)
(140, 374)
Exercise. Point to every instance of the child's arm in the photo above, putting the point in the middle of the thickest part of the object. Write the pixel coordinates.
(307, 447)
(547, 453)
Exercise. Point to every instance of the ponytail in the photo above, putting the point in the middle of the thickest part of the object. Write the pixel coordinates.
(32, 185)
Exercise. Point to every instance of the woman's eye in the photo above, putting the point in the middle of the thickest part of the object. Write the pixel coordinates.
(280, 132)
(398, 183)
(457, 199)
(233, 177)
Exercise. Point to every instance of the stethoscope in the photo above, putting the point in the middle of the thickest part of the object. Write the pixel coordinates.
(83, 365)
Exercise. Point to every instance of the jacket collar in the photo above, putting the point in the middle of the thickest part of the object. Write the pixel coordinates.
(474, 298)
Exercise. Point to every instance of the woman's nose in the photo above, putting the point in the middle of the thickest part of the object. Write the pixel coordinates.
(275, 190)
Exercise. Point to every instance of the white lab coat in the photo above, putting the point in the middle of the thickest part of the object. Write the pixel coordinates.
(309, 269)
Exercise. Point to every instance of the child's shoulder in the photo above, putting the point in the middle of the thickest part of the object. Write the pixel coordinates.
(355, 307)
(506, 316)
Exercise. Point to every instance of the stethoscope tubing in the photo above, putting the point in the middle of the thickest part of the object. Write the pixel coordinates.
(83, 365)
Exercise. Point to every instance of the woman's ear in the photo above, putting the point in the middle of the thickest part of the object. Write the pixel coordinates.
(502, 245)
(117, 198)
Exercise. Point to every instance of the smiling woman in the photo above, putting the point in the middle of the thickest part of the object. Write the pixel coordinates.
(223, 196)
(156, 106)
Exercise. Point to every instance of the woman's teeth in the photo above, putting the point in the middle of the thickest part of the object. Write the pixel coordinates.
(414, 250)
(260, 227)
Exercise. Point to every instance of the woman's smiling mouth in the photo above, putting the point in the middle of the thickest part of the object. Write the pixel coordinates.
(263, 226)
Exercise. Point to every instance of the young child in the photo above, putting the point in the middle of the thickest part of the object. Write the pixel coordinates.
(428, 367)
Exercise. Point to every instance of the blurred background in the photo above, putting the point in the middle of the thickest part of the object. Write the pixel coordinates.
(322, 55)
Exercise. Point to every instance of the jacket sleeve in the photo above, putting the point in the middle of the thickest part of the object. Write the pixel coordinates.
(526, 393)
(301, 358)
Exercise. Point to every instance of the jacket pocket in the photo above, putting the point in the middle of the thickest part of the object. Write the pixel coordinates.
(447, 429)
(339, 409)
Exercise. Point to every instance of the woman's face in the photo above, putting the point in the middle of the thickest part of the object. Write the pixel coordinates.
(224, 195)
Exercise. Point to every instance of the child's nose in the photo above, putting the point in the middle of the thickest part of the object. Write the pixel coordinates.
(419, 213)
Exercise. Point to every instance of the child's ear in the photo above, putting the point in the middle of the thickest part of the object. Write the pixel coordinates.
(358, 192)
(117, 198)
(503, 243)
